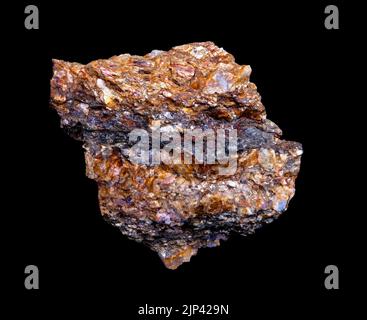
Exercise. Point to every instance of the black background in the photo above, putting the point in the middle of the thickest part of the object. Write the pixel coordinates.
(86, 266)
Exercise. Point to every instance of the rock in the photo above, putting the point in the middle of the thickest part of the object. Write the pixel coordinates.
(169, 194)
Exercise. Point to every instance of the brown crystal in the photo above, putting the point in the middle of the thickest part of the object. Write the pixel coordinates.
(176, 209)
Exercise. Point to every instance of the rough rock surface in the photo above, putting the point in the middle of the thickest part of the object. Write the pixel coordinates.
(176, 209)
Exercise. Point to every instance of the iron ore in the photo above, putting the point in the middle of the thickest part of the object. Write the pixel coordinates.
(176, 209)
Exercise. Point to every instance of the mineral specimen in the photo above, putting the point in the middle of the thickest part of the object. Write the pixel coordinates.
(176, 207)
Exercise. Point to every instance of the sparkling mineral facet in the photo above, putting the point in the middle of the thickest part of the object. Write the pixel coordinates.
(176, 208)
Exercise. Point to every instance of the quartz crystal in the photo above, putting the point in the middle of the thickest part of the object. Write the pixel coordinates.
(175, 209)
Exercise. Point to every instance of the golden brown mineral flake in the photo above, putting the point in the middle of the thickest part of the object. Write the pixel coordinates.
(176, 207)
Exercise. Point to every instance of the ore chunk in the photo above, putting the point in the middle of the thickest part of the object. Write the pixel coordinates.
(178, 208)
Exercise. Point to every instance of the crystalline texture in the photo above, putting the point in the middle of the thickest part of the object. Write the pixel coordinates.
(176, 209)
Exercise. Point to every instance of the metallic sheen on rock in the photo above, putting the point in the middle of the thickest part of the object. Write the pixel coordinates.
(176, 209)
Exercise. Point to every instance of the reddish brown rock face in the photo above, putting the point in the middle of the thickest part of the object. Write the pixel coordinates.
(176, 208)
